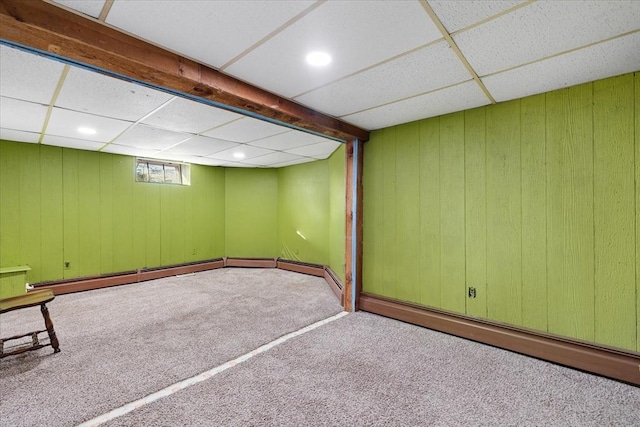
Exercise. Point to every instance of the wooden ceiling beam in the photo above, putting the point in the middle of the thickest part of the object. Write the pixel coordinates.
(48, 28)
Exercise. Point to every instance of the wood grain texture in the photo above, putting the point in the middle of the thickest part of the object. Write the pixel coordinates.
(430, 228)
(51, 218)
(534, 217)
(389, 214)
(570, 212)
(71, 212)
(614, 212)
(504, 233)
(475, 210)
(10, 242)
(408, 212)
(373, 224)
(452, 243)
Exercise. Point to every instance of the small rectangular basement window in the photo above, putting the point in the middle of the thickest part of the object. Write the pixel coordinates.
(148, 170)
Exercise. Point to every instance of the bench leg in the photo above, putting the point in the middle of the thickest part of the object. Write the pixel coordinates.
(49, 325)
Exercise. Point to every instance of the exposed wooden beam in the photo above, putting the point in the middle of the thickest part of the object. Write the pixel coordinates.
(51, 29)
(353, 238)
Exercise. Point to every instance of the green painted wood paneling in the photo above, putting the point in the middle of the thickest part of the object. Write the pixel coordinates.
(140, 223)
(408, 211)
(10, 243)
(373, 224)
(30, 211)
(389, 195)
(452, 211)
(107, 226)
(251, 219)
(534, 212)
(337, 216)
(561, 230)
(88, 261)
(154, 238)
(430, 228)
(303, 212)
(123, 178)
(570, 212)
(614, 211)
(71, 212)
(51, 217)
(476, 210)
(217, 242)
(637, 160)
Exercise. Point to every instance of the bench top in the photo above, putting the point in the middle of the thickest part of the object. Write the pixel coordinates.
(15, 269)
(27, 300)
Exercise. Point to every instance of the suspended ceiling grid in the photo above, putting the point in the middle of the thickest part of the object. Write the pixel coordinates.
(393, 62)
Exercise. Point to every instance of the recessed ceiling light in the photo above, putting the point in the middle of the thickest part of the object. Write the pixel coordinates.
(238, 155)
(86, 130)
(318, 59)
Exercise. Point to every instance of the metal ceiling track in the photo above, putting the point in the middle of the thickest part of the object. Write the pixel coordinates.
(46, 29)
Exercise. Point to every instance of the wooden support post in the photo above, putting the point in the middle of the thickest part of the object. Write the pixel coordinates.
(353, 240)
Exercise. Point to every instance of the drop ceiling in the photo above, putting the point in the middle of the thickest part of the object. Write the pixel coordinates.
(393, 62)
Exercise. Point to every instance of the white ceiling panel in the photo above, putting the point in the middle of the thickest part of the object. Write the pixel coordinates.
(66, 123)
(28, 76)
(245, 130)
(248, 151)
(422, 71)
(22, 115)
(201, 146)
(89, 91)
(455, 98)
(542, 29)
(456, 15)
(317, 151)
(131, 151)
(185, 115)
(88, 7)
(294, 162)
(206, 161)
(357, 34)
(272, 159)
(607, 59)
(288, 140)
(79, 144)
(212, 32)
(148, 137)
(19, 136)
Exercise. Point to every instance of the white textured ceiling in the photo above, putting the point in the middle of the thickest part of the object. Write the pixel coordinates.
(392, 63)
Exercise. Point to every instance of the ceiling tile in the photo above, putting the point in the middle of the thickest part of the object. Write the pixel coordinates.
(28, 76)
(456, 15)
(212, 32)
(19, 136)
(22, 115)
(88, 7)
(184, 115)
(80, 144)
(148, 137)
(248, 151)
(294, 162)
(66, 123)
(542, 29)
(288, 140)
(131, 151)
(456, 98)
(317, 151)
(201, 146)
(246, 129)
(422, 71)
(89, 91)
(357, 34)
(272, 159)
(607, 59)
(206, 161)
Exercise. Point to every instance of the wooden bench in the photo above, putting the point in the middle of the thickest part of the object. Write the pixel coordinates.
(30, 299)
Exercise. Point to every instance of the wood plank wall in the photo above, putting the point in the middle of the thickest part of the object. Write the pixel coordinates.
(85, 207)
(532, 202)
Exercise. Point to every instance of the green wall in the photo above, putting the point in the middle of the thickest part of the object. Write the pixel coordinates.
(337, 218)
(251, 219)
(532, 202)
(62, 205)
